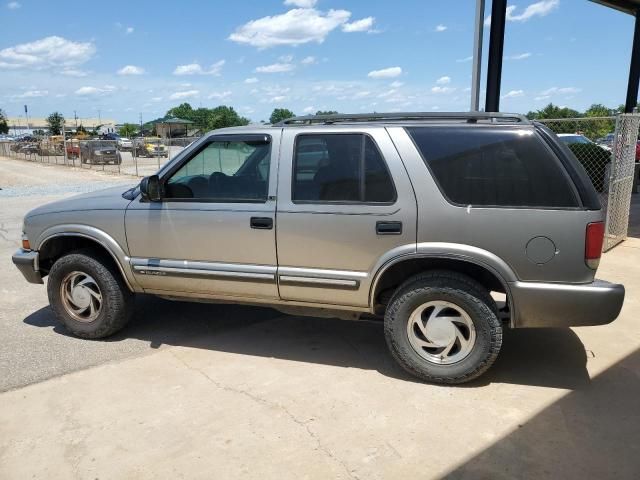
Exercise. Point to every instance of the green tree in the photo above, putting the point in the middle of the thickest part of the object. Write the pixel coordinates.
(599, 128)
(553, 111)
(280, 114)
(55, 122)
(128, 130)
(326, 112)
(208, 118)
(81, 129)
(4, 125)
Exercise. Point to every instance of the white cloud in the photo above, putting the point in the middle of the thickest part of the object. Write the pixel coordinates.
(385, 73)
(46, 53)
(275, 68)
(93, 91)
(542, 97)
(277, 98)
(72, 72)
(131, 70)
(362, 25)
(464, 60)
(156, 99)
(396, 84)
(196, 69)
(309, 109)
(251, 80)
(440, 28)
(537, 9)
(295, 27)
(513, 94)
(285, 58)
(220, 95)
(438, 89)
(443, 80)
(185, 94)
(309, 60)
(518, 56)
(560, 91)
(13, 5)
(129, 30)
(301, 3)
(33, 94)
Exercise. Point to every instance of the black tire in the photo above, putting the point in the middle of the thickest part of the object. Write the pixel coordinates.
(117, 299)
(461, 291)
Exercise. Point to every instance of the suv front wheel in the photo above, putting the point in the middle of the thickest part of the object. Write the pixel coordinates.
(442, 327)
(88, 296)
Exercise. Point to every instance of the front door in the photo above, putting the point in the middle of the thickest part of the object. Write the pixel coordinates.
(213, 233)
(345, 203)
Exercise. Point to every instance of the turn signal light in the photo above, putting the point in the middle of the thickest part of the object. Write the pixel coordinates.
(25, 243)
(593, 244)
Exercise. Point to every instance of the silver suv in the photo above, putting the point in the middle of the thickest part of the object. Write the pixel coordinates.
(452, 227)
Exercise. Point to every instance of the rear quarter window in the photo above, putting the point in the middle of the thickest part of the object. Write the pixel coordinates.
(494, 167)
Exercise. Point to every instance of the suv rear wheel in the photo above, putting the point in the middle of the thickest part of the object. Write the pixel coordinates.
(442, 327)
(87, 296)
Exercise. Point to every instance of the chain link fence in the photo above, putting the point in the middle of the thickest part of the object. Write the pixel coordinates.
(139, 156)
(607, 148)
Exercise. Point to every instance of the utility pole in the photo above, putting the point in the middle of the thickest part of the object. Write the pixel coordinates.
(141, 132)
(75, 117)
(99, 117)
(477, 56)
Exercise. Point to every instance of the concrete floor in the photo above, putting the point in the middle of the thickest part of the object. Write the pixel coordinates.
(221, 391)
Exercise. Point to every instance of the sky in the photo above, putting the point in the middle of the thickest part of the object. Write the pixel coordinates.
(126, 59)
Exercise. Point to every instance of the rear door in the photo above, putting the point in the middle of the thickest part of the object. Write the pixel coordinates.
(344, 203)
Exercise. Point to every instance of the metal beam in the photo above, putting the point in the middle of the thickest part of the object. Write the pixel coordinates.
(477, 56)
(634, 69)
(496, 50)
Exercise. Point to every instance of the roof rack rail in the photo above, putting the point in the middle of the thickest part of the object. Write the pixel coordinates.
(469, 117)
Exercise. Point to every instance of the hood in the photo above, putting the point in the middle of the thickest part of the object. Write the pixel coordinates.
(106, 199)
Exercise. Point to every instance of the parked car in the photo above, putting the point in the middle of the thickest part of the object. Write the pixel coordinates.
(424, 221)
(606, 141)
(99, 151)
(150, 147)
(73, 148)
(124, 144)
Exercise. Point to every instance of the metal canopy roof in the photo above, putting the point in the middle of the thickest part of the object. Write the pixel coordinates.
(626, 6)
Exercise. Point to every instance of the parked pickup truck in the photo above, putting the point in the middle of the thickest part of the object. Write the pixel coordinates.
(449, 227)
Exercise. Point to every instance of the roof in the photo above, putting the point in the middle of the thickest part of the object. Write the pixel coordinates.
(626, 6)
(173, 120)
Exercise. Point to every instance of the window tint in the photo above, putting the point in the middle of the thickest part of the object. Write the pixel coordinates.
(224, 171)
(493, 167)
(340, 168)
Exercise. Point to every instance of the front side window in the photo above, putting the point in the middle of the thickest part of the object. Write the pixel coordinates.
(340, 168)
(494, 167)
(225, 171)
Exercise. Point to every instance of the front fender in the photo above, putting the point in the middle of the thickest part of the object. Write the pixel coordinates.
(98, 236)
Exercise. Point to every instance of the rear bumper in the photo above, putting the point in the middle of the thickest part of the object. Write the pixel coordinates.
(27, 263)
(565, 305)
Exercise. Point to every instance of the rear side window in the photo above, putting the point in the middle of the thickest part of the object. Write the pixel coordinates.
(494, 167)
(340, 168)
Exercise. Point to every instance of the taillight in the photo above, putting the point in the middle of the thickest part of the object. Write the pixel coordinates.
(593, 244)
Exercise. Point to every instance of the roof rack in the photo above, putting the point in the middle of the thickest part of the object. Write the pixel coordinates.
(469, 117)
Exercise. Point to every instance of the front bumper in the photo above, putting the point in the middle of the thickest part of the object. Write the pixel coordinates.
(565, 305)
(27, 263)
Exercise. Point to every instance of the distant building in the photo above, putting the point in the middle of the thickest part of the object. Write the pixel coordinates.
(18, 125)
(173, 127)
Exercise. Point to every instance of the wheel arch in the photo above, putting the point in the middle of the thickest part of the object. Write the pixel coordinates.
(60, 240)
(397, 270)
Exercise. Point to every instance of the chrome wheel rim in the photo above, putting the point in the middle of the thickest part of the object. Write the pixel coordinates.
(81, 296)
(441, 332)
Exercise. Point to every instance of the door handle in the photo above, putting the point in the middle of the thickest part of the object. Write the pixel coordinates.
(262, 223)
(388, 228)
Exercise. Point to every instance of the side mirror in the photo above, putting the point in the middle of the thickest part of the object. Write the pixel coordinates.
(150, 188)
